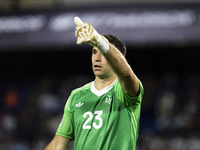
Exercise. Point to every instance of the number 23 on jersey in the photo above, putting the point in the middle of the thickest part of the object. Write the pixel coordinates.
(98, 122)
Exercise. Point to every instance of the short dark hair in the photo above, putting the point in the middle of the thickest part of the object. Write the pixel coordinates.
(116, 42)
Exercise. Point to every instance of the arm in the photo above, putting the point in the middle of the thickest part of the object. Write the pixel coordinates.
(128, 80)
(58, 143)
(122, 69)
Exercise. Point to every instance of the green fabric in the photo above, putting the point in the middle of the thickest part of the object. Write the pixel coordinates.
(106, 122)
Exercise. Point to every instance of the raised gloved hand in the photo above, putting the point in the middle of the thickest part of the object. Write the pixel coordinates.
(85, 32)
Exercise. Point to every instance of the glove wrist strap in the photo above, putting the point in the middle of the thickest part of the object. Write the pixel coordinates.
(103, 44)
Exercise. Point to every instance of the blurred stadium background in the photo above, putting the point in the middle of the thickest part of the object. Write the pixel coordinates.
(40, 64)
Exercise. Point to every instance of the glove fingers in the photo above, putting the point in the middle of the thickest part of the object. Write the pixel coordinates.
(80, 40)
(84, 30)
(78, 21)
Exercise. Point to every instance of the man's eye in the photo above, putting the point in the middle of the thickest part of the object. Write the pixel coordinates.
(94, 51)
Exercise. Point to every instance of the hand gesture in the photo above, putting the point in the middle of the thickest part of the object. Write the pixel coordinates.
(85, 32)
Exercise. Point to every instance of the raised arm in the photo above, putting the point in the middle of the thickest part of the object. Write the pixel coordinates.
(128, 80)
(122, 69)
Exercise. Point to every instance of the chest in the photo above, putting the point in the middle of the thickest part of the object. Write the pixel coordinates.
(93, 112)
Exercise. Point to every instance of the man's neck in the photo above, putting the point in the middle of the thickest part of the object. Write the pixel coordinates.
(102, 83)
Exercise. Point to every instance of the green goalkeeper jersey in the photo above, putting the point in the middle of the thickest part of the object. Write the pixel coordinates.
(101, 120)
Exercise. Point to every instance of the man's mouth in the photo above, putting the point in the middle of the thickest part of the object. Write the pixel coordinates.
(97, 67)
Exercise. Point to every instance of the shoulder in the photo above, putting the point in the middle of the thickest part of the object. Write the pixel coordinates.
(78, 92)
(125, 98)
(81, 89)
(119, 88)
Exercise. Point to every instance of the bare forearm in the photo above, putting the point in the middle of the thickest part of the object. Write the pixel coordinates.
(118, 63)
(122, 69)
(58, 143)
(54, 146)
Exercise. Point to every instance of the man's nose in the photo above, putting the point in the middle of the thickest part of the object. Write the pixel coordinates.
(98, 57)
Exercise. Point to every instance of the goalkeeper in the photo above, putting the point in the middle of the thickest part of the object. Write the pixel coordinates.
(103, 114)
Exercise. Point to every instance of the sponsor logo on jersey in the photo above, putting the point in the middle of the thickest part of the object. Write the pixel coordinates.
(108, 99)
(79, 104)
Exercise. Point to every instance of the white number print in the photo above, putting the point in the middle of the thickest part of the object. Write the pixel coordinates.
(85, 126)
(97, 117)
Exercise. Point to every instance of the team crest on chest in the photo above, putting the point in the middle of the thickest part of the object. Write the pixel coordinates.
(108, 99)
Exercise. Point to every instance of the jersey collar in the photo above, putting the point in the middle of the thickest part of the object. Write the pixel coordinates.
(103, 91)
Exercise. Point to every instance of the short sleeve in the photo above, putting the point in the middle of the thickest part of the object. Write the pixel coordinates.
(65, 128)
(128, 100)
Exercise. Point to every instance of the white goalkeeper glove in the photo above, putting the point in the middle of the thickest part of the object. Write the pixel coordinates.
(85, 32)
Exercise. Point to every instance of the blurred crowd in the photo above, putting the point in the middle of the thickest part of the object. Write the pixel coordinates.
(31, 110)
(170, 114)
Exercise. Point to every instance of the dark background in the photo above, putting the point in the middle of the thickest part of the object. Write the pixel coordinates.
(61, 61)
(36, 80)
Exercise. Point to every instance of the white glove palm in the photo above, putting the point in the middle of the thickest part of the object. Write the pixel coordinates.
(85, 32)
